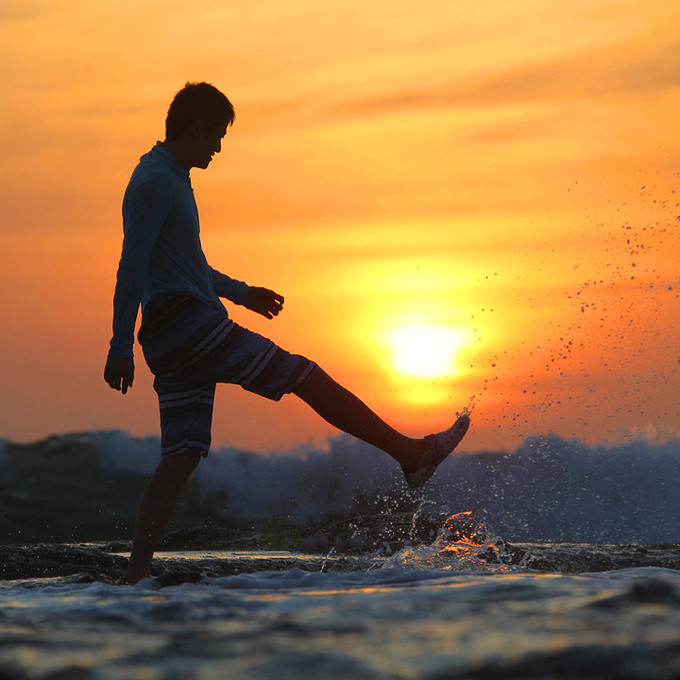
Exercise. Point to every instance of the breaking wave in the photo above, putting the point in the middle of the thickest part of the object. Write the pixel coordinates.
(86, 487)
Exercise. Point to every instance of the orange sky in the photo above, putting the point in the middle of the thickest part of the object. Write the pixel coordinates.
(501, 175)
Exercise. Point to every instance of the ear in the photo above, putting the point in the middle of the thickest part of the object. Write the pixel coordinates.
(197, 128)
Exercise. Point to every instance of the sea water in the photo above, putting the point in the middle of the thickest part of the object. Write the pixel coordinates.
(389, 623)
(435, 612)
(451, 607)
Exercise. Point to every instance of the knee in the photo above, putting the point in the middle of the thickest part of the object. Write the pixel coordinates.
(181, 465)
(312, 384)
(190, 460)
(192, 457)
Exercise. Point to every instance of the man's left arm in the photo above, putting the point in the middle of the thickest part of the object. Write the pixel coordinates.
(261, 300)
(229, 288)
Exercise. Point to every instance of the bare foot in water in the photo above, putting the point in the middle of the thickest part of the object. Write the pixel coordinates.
(133, 576)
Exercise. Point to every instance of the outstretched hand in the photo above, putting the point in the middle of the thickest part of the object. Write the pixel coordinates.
(119, 373)
(264, 301)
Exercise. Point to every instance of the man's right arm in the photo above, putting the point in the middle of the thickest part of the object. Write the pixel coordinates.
(145, 208)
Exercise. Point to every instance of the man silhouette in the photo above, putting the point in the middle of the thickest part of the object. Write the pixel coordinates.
(187, 338)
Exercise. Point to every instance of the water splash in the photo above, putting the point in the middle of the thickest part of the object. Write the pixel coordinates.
(462, 543)
(467, 410)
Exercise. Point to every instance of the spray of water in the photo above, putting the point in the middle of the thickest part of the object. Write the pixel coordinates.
(461, 543)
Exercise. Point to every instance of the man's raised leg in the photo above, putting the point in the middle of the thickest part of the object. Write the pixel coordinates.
(155, 509)
(419, 458)
(342, 409)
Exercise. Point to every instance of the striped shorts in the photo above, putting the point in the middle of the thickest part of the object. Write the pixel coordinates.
(189, 347)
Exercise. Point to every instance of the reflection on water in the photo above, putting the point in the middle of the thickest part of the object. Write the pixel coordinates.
(462, 534)
(462, 543)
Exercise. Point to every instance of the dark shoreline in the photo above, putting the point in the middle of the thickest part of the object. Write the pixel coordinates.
(88, 562)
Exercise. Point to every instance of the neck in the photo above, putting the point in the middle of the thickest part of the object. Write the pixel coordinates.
(179, 152)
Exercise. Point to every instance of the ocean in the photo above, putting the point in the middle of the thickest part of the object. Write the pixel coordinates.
(556, 560)
(392, 621)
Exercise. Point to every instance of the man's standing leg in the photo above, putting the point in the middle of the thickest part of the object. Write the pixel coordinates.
(155, 509)
(186, 420)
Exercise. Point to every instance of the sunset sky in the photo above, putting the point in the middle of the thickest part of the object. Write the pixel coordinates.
(458, 201)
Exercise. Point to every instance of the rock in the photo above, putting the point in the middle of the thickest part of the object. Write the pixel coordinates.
(40, 561)
(316, 543)
(360, 542)
(207, 538)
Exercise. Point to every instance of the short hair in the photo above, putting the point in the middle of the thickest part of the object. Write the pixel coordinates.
(198, 101)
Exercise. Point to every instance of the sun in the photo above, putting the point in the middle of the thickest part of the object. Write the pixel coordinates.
(425, 351)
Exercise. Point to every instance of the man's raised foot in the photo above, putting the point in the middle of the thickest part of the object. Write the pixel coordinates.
(440, 446)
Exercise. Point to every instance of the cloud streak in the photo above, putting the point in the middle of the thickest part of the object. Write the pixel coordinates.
(625, 70)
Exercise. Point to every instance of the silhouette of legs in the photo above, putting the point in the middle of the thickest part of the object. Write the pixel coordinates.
(336, 405)
(343, 410)
(155, 509)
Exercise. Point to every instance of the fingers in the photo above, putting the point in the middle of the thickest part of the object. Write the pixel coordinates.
(273, 299)
(265, 302)
(277, 303)
(111, 379)
(273, 311)
(116, 383)
(272, 303)
(119, 374)
(126, 383)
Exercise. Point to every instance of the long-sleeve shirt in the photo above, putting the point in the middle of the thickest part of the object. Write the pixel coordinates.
(161, 247)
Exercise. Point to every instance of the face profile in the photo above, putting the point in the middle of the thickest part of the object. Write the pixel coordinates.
(208, 143)
(197, 121)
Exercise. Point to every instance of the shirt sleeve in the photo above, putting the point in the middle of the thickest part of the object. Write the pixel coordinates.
(145, 209)
(229, 288)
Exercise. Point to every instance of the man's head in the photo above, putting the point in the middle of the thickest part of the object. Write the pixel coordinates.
(197, 120)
